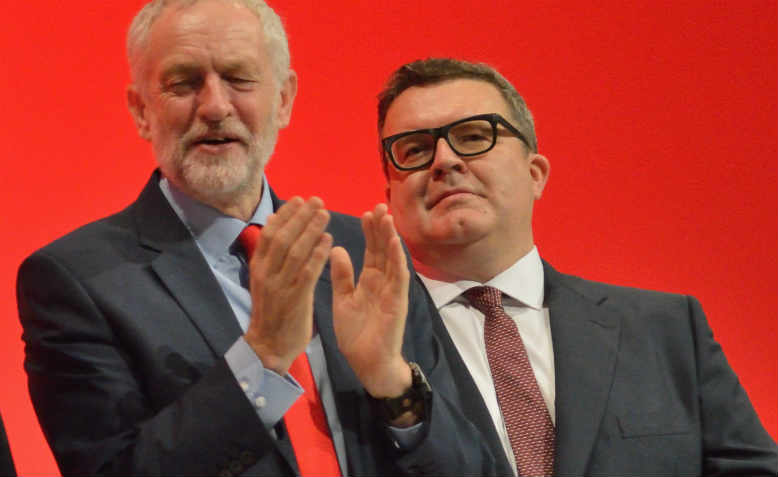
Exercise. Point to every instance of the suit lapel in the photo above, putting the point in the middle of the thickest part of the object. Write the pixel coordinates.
(183, 270)
(470, 400)
(356, 419)
(585, 334)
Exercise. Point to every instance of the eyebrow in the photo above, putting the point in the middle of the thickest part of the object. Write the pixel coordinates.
(230, 67)
(178, 69)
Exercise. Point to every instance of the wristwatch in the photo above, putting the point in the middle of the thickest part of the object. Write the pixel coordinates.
(414, 399)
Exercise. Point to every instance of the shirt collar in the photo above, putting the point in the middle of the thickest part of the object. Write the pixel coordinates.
(522, 281)
(214, 232)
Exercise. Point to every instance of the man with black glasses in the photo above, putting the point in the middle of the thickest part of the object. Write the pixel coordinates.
(566, 376)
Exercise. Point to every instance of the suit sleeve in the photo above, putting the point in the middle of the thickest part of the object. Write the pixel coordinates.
(452, 444)
(94, 403)
(734, 440)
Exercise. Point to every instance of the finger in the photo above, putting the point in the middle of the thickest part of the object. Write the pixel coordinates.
(375, 244)
(368, 230)
(397, 268)
(341, 273)
(282, 215)
(273, 223)
(397, 262)
(310, 272)
(303, 246)
(386, 233)
(285, 228)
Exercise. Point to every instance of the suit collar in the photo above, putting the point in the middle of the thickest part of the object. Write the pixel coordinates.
(585, 331)
(522, 281)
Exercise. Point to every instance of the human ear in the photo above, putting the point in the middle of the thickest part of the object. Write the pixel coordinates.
(137, 107)
(539, 169)
(288, 92)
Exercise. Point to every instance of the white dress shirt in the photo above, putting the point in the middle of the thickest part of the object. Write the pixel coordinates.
(522, 288)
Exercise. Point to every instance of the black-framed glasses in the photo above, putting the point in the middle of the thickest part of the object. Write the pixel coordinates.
(412, 150)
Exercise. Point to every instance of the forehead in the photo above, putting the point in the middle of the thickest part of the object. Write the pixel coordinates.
(211, 31)
(431, 106)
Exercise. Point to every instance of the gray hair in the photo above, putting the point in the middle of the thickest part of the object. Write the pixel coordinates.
(272, 27)
(433, 71)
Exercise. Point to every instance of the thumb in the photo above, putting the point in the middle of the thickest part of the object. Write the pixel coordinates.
(341, 272)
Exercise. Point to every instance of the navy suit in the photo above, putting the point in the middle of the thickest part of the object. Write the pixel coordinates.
(6, 461)
(126, 327)
(642, 388)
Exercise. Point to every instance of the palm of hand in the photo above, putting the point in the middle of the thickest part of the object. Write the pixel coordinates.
(369, 318)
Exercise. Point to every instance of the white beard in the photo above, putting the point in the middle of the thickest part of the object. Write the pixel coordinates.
(219, 179)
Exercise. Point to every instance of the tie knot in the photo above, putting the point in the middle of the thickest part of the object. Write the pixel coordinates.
(248, 239)
(485, 299)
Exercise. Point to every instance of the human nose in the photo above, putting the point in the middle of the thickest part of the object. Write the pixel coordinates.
(214, 100)
(445, 159)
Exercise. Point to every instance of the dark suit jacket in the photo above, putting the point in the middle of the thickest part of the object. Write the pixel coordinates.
(642, 388)
(125, 330)
(6, 461)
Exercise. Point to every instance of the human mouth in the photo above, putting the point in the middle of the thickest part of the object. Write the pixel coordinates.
(215, 143)
(447, 196)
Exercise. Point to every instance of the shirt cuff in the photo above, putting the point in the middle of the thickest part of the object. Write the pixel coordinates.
(270, 393)
(407, 438)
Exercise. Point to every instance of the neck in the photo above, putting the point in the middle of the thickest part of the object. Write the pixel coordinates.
(243, 208)
(240, 204)
(454, 263)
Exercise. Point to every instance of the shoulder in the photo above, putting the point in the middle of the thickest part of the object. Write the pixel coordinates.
(116, 237)
(670, 321)
(89, 248)
(636, 301)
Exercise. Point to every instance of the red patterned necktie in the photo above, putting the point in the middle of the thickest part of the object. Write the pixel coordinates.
(526, 416)
(305, 420)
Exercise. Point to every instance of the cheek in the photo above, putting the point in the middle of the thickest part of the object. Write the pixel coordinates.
(254, 111)
(411, 216)
(404, 195)
(178, 109)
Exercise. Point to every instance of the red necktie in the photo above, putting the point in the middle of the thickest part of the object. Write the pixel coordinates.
(305, 420)
(526, 416)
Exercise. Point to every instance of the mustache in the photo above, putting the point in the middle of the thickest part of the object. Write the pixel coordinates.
(232, 129)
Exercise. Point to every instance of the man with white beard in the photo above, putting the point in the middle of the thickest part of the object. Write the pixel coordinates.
(173, 338)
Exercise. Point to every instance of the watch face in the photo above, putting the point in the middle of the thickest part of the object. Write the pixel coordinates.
(418, 378)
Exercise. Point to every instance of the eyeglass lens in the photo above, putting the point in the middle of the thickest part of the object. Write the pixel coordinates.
(467, 138)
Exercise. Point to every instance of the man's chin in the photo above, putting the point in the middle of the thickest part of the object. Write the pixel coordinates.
(459, 227)
(220, 182)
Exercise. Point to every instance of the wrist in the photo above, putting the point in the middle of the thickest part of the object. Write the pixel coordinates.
(411, 405)
(270, 359)
(392, 383)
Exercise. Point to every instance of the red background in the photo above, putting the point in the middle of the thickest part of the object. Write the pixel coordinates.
(660, 119)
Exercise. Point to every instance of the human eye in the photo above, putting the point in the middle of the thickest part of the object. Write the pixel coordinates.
(241, 82)
(469, 133)
(181, 85)
(415, 148)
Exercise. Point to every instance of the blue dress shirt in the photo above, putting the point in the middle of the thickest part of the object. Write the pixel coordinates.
(270, 394)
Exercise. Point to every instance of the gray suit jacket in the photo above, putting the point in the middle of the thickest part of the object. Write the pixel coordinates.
(642, 388)
(126, 327)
